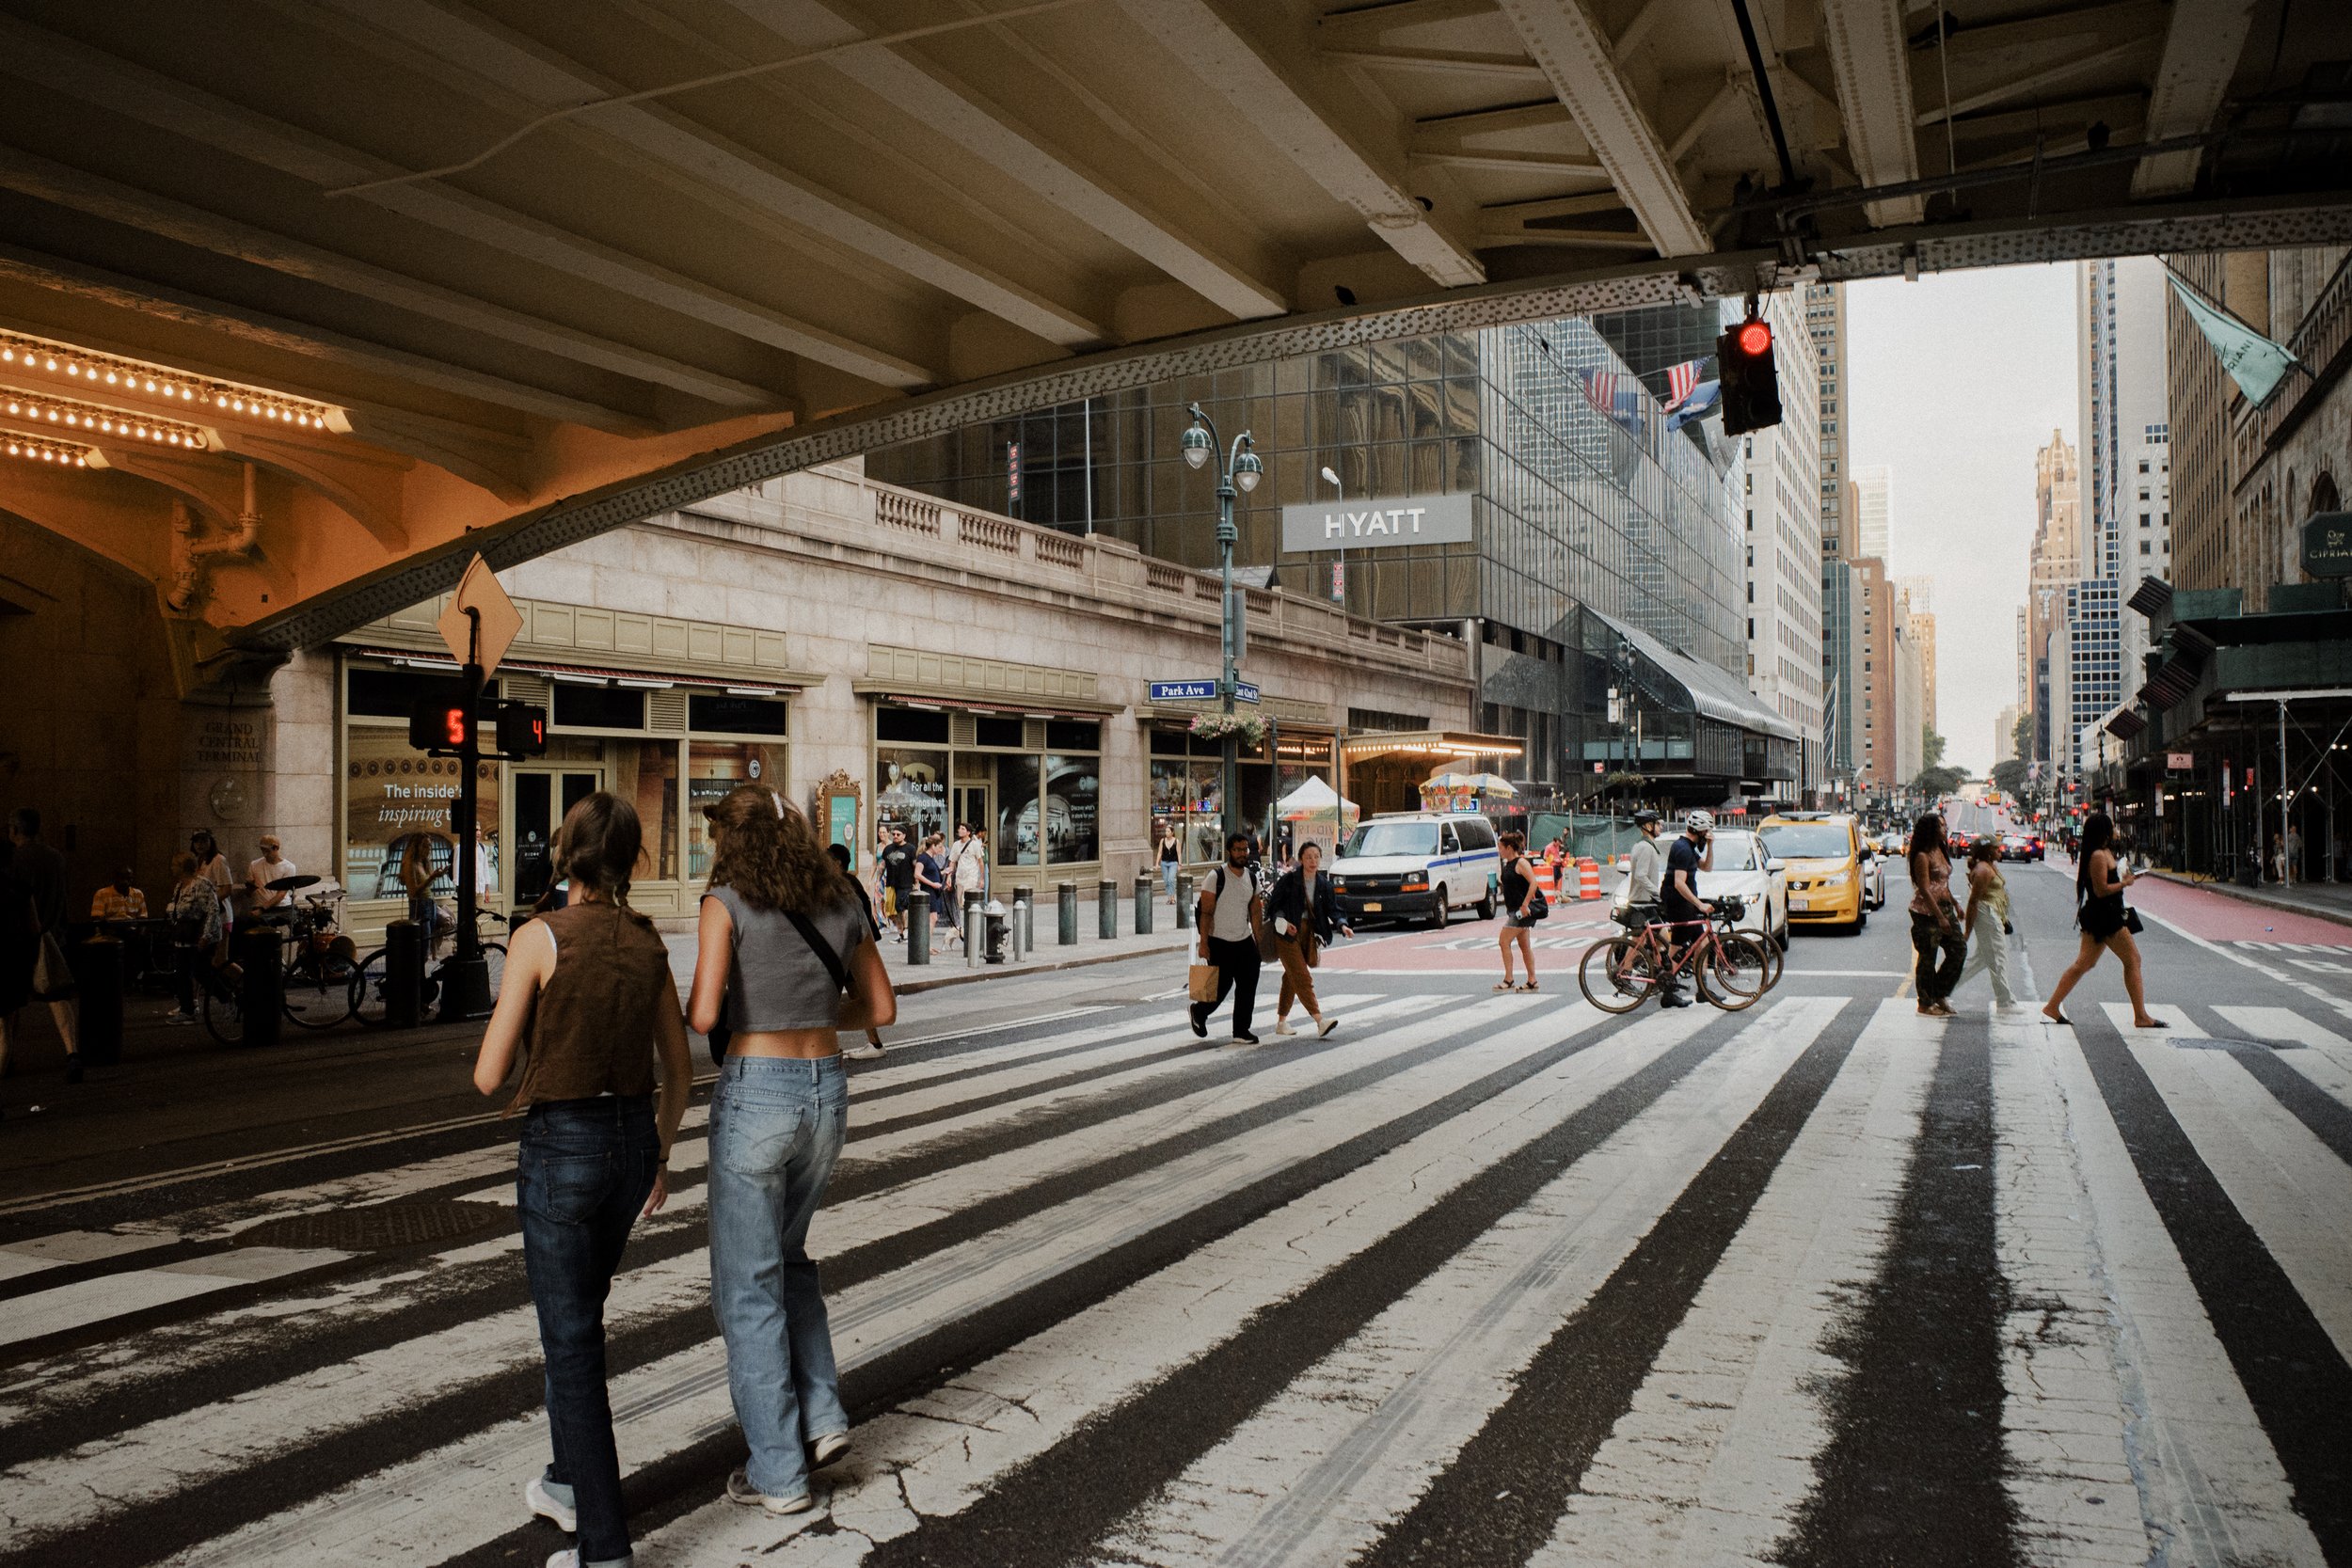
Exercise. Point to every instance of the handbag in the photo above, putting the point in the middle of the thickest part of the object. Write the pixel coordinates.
(1538, 907)
(2131, 920)
(1200, 983)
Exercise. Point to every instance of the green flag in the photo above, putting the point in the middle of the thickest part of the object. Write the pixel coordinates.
(2254, 361)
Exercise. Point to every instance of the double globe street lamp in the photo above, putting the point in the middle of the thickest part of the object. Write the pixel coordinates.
(1238, 469)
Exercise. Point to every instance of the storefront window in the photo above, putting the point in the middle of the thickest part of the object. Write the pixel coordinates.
(391, 793)
(714, 767)
(644, 773)
(1072, 794)
(910, 790)
(1018, 833)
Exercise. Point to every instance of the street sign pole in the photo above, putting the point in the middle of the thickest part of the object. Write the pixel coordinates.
(465, 977)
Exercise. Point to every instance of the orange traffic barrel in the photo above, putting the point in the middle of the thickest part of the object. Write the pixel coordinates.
(1588, 870)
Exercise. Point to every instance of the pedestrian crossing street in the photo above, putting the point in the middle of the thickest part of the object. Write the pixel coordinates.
(1491, 1280)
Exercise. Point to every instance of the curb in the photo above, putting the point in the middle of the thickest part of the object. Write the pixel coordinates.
(2259, 900)
(994, 972)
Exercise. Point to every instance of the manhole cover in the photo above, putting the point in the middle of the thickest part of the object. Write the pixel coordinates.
(377, 1227)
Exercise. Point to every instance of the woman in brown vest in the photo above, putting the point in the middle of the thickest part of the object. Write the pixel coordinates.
(589, 1004)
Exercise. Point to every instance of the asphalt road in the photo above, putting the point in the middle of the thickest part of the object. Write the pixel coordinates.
(1481, 1279)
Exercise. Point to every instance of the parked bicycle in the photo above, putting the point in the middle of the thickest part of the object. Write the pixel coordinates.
(317, 961)
(1729, 968)
(370, 994)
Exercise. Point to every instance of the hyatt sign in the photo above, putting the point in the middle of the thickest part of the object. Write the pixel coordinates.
(1377, 524)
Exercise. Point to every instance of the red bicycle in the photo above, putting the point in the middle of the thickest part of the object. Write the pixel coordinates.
(1730, 968)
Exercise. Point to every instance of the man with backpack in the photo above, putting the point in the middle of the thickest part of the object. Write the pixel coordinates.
(1233, 928)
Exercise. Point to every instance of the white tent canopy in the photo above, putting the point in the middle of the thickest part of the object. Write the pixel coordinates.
(1313, 798)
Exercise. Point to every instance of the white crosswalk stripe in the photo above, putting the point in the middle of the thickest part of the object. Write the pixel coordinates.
(2127, 1430)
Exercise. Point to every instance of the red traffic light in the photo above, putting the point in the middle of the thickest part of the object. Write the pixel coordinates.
(1754, 338)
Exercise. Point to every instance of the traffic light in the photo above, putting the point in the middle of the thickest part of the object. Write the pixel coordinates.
(1751, 384)
(522, 730)
(441, 721)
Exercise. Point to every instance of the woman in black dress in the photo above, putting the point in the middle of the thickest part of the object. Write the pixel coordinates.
(2099, 884)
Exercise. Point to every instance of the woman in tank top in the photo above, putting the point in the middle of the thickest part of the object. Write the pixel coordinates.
(589, 1004)
(787, 959)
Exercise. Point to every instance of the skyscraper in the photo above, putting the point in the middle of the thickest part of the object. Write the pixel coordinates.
(2056, 562)
(1874, 494)
(1825, 321)
(1920, 599)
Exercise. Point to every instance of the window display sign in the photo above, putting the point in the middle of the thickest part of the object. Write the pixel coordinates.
(390, 792)
(1377, 524)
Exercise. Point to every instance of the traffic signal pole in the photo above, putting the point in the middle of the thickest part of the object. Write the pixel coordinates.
(466, 975)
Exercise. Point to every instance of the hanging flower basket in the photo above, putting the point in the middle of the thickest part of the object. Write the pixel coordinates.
(1245, 728)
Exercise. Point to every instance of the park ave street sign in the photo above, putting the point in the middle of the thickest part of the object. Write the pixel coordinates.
(1377, 524)
(1203, 690)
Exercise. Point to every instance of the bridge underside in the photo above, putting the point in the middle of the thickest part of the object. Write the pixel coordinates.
(301, 304)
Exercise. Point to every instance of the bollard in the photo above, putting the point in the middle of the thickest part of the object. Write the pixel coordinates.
(404, 974)
(261, 997)
(919, 933)
(1106, 907)
(1184, 900)
(97, 980)
(1024, 922)
(1144, 883)
(974, 931)
(1017, 943)
(1066, 898)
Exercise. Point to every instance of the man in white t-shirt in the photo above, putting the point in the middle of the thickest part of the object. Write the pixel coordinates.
(271, 867)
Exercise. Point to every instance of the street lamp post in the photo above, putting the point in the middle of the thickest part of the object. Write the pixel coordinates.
(1331, 477)
(1236, 467)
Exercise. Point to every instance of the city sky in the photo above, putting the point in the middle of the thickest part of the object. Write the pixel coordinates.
(1955, 381)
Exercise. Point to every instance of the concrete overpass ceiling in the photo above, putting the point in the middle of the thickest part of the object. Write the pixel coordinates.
(548, 260)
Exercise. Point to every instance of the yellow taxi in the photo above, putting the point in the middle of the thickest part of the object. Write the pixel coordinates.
(1828, 862)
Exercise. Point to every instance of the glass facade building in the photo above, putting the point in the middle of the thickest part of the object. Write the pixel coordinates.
(1583, 521)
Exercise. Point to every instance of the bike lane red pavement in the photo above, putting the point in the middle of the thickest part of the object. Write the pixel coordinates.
(1465, 946)
(2219, 917)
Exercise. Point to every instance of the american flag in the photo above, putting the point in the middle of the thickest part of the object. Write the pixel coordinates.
(1600, 389)
(1680, 379)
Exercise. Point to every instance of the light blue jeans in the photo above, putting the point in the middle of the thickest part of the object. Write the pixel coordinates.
(1167, 876)
(777, 1126)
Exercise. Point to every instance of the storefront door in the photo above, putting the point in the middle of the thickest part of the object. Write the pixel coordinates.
(971, 802)
(540, 797)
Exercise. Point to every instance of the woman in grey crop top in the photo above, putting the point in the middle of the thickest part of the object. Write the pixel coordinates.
(778, 1119)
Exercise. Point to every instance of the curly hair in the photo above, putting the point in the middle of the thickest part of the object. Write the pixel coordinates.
(768, 853)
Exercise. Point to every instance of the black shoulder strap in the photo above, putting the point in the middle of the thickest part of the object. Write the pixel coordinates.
(823, 949)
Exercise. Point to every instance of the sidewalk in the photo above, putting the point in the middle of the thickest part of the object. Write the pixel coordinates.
(2331, 901)
(947, 966)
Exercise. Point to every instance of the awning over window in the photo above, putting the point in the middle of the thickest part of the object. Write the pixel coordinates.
(750, 685)
(1429, 743)
(1715, 692)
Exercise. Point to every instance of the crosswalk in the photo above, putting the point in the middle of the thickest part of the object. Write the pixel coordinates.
(1478, 1279)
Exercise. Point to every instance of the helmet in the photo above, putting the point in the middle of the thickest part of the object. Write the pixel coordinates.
(1643, 817)
(1703, 820)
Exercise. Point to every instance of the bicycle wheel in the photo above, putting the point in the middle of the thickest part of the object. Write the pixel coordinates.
(319, 992)
(367, 990)
(223, 1018)
(1611, 977)
(1732, 976)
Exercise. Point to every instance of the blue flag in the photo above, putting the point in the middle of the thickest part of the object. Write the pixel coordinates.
(2252, 360)
(1702, 401)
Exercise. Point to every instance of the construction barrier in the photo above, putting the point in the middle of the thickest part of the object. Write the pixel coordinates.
(1588, 878)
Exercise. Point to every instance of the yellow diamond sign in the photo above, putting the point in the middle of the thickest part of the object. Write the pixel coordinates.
(480, 597)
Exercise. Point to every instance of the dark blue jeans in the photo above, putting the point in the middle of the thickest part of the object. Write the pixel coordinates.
(585, 1169)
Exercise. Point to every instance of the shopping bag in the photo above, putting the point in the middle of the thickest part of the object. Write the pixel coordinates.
(1202, 982)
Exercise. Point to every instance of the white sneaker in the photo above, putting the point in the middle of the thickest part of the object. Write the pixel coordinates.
(832, 1446)
(1325, 1027)
(740, 1490)
(1282, 1026)
(543, 1503)
(867, 1052)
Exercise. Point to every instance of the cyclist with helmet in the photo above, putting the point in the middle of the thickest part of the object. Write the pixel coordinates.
(1646, 875)
(1679, 898)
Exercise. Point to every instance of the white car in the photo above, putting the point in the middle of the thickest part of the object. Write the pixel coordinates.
(1744, 870)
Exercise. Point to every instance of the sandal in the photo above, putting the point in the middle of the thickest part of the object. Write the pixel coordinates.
(1530, 986)
(2152, 1024)
(2060, 1018)
(1507, 986)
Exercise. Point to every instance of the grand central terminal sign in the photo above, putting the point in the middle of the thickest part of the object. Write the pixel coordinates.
(1377, 524)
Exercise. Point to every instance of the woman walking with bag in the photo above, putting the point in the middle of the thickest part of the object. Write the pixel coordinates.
(788, 959)
(1519, 904)
(589, 1004)
(2107, 922)
(1988, 921)
(1936, 933)
(1303, 915)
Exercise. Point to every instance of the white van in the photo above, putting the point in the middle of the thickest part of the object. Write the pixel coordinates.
(1416, 864)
